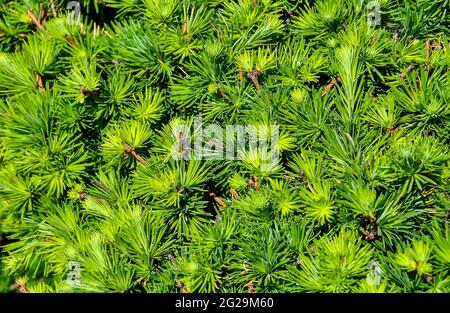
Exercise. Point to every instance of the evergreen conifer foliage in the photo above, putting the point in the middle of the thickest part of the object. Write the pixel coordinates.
(92, 199)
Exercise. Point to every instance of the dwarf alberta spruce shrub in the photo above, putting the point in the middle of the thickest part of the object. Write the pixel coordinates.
(92, 198)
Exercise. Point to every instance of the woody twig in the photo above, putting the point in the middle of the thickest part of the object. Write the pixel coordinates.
(38, 23)
(129, 149)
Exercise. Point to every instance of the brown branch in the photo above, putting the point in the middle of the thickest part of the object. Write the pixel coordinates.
(40, 84)
(221, 91)
(180, 285)
(255, 179)
(52, 4)
(253, 182)
(409, 69)
(241, 74)
(86, 92)
(129, 149)
(21, 287)
(250, 286)
(185, 27)
(253, 75)
(374, 40)
(234, 194)
(328, 87)
(138, 157)
(35, 21)
(82, 196)
(217, 199)
(70, 40)
(371, 233)
(427, 50)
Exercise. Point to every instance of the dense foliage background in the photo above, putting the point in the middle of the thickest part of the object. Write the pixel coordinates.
(359, 202)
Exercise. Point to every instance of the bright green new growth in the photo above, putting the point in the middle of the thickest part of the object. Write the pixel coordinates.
(89, 113)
